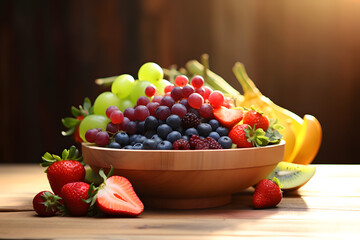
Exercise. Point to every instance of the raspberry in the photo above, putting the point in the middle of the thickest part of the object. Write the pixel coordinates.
(190, 120)
(194, 139)
(202, 144)
(181, 144)
(213, 144)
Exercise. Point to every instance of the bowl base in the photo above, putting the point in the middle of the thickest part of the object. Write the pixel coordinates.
(186, 203)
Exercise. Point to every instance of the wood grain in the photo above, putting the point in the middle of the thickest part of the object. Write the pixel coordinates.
(328, 206)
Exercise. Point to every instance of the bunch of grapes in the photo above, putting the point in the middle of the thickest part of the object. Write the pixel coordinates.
(125, 91)
(180, 118)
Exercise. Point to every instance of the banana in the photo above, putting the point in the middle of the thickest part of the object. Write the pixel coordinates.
(252, 96)
(308, 141)
(302, 136)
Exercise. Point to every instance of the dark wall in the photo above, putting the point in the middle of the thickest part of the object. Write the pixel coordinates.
(303, 55)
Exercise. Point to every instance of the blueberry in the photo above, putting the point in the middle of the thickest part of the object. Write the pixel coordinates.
(149, 144)
(164, 145)
(114, 145)
(214, 124)
(191, 131)
(151, 123)
(225, 142)
(173, 136)
(174, 121)
(132, 138)
(214, 135)
(180, 130)
(222, 131)
(122, 138)
(185, 137)
(140, 127)
(128, 147)
(140, 139)
(149, 133)
(137, 146)
(156, 138)
(163, 130)
(204, 129)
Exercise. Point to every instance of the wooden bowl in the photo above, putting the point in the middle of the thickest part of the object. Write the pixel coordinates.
(187, 179)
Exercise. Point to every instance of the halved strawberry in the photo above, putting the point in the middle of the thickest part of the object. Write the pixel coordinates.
(228, 117)
(116, 196)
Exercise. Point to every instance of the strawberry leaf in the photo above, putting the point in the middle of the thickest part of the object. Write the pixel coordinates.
(75, 112)
(70, 122)
(69, 132)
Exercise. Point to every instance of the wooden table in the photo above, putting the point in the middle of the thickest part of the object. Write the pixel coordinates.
(328, 206)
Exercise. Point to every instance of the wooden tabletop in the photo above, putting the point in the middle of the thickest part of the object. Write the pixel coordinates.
(328, 206)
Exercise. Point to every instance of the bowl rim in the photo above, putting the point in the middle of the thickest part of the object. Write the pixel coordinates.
(94, 147)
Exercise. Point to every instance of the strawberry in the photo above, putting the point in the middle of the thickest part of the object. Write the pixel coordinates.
(74, 195)
(228, 117)
(72, 123)
(116, 196)
(244, 136)
(46, 204)
(63, 170)
(256, 120)
(267, 193)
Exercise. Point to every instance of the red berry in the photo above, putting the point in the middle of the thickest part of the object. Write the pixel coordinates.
(187, 90)
(181, 144)
(150, 90)
(102, 139)
(267, 194)
(64, 171)
(177, 93)
(239, 137)
(200, 91)
(46, 204)
(142, 101)
(116, 117)
(73, 195)
(129, 113)
(141, 112)
(110, 109)
(168, 88)
(157, 99)
(197, 81)
(213, 144)
(181, 80)
(195, 100)
(216, 98)
(256, 120)
(206, 111)
(207, 93)
(90, 134)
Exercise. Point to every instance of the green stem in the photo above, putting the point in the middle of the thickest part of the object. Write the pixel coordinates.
(105, 81)
(246, 83)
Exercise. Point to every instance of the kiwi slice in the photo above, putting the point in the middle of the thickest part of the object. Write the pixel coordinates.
(292, 176)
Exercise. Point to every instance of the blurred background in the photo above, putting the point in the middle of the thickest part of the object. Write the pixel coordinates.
(303, 55)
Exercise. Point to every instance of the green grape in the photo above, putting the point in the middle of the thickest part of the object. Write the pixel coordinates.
(160, 86)
(125, 103)
(122, 85)
(92, 121)
(138, 90)
(105, 100)
(150, 72)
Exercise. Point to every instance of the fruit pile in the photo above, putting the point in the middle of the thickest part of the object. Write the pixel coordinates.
(75, 197)
(186, 115)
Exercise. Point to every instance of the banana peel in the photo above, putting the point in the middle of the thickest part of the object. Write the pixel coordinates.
(302, 136)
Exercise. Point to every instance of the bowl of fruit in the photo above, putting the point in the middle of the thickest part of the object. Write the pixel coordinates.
(182, 145)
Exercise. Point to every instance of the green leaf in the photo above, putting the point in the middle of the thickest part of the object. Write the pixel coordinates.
(65, 154)
(72, 151)
(70, 122)
(56, 157)
(48, 156)
(87, 105)
(75, 112)
(69, 132)
(111, 172)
